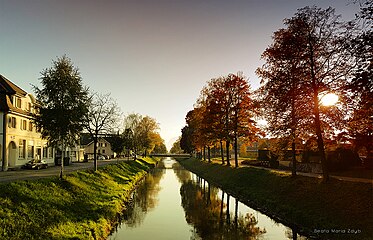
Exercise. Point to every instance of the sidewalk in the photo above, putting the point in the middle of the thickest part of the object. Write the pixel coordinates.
(29, 174)
(315, 175)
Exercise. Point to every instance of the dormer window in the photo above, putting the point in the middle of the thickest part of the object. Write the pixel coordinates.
(18, 103)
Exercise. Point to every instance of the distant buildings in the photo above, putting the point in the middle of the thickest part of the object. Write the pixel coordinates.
(103, 147)
(20, 141)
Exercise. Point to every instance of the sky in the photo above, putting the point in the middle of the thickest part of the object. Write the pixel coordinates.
(153, 57)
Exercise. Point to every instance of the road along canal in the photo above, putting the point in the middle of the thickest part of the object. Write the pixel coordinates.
(174, 203)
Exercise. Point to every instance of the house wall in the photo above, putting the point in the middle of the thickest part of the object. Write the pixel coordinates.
(23, 141)
(25, 144)
(1, 137)
(103, 148)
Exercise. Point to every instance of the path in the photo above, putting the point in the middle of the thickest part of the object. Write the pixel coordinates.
(315, 175)
(28, 174)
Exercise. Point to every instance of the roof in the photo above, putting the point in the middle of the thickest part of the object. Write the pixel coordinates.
(86, 139)
(9, 88)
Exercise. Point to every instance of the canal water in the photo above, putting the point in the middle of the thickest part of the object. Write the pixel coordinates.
(173, 203)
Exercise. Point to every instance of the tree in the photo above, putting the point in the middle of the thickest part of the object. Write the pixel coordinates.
(147, 127)
(230, 111)
(101, 117)
(176, 147)
(131, 125)
(62, 105)
(156, 143)
(243, 111)
(219, 112)
(215, 116)
(360, 125)
(186, 140)
(141, 129)
(284, 102)
(127, 137)
(325, 65)
(117, 143)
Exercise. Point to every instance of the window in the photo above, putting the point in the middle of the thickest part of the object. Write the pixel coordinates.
(21, 148)
(30, 149)
(45, 152)
(29, 107)
(19, 103)
(30, 126)
(24, 125)
(12, 123)
(103, 151)
(50, 152)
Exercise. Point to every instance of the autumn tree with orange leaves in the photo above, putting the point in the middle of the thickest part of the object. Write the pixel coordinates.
(325, 64)
(223, 112)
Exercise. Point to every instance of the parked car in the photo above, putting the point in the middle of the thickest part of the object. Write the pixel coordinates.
(101, 157)
(36, 164)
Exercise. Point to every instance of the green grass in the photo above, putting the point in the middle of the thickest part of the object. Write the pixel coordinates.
(84, 205)
(302, 202)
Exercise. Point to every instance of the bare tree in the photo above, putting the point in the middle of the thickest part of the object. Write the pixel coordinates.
(102, 117)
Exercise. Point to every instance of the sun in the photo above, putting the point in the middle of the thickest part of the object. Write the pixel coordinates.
(329, 99)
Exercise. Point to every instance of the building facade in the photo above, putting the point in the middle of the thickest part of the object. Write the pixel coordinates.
(103, 147)
(20, 141)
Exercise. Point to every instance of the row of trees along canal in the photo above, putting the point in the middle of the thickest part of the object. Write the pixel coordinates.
(66, 109)
(315, 54)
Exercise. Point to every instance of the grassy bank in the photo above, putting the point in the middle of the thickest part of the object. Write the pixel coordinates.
(82, 206)
(344, 209)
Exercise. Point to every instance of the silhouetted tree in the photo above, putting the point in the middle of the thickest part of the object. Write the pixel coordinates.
(187, 139)
(361, 124)
(285, 103)
(325, 64)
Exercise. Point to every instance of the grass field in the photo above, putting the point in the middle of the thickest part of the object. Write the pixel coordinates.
(82, 206)
(345, 209)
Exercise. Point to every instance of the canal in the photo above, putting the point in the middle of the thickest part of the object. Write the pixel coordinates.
(174, 203)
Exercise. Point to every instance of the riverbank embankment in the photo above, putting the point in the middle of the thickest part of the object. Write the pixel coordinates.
(85, 205)
(332, 210)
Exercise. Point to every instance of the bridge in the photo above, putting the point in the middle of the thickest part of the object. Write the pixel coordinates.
(170, 155)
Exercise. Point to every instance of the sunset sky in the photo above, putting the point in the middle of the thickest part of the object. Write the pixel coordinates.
(152, 56)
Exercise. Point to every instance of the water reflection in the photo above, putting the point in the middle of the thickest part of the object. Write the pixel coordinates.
(144, 198)
(211, 217)
(173, 203)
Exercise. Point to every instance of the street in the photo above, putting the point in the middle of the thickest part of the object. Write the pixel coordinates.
(28, 174)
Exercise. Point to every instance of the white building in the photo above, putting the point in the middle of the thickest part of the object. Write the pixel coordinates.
(20, 141)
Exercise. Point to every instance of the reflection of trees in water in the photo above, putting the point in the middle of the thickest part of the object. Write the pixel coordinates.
(181, 174)
(206, 212)
(292, 234)
(144, 198)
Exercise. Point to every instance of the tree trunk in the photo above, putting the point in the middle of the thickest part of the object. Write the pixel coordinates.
(222, 152)
(204, 153)
(227, 143)
(95, 153)
(235, 152)
(316, 111)
(209, 154)
(293, 153)
(62, 158)
(317, 122)
(293, 129)
(321, 149)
